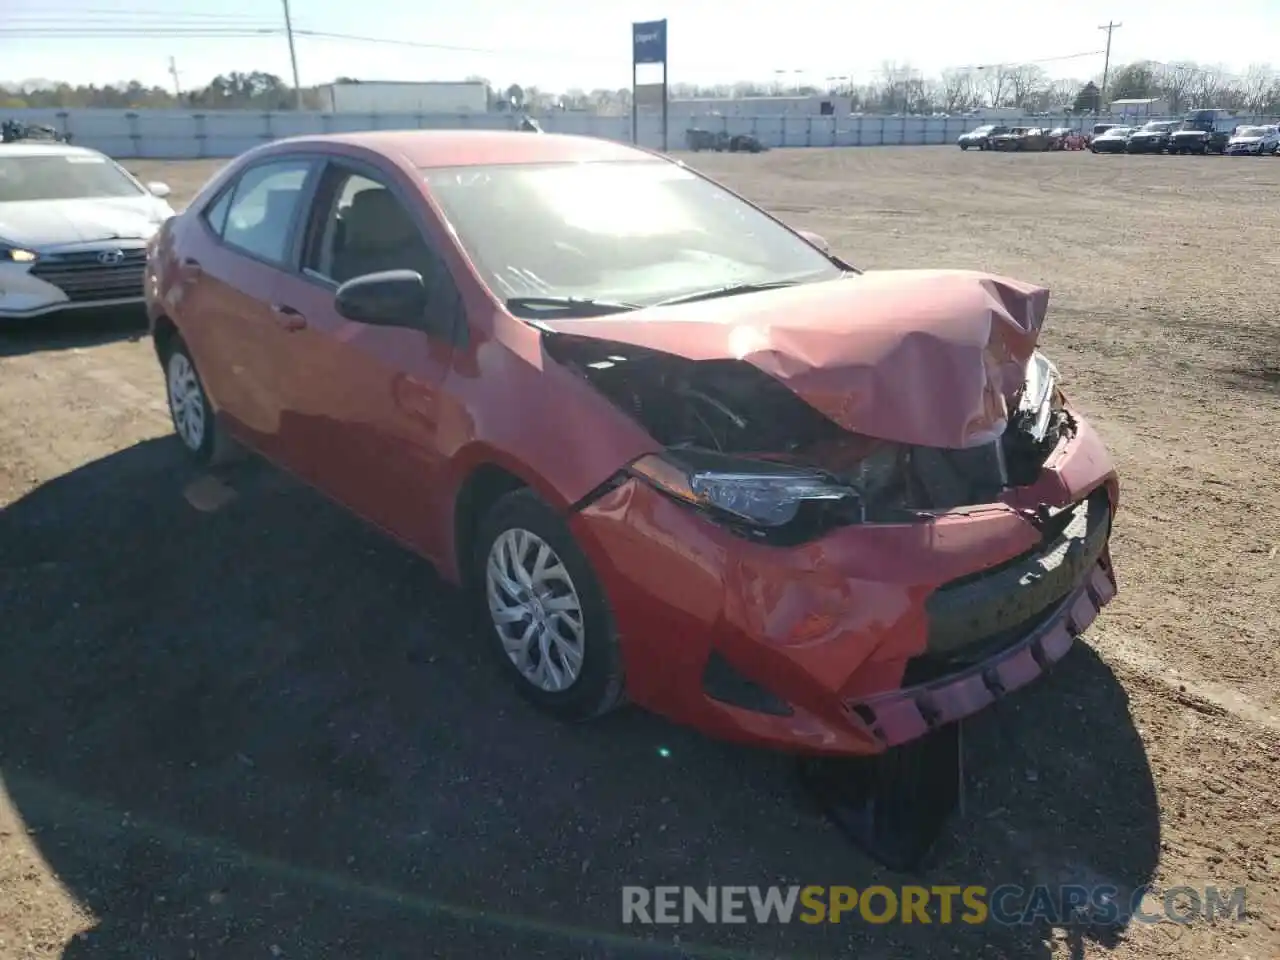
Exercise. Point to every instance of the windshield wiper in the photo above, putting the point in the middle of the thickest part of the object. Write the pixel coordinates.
(572, 306)
(732, 290)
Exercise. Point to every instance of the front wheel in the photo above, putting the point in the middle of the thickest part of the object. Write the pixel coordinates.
(550, 625)
(964, 146)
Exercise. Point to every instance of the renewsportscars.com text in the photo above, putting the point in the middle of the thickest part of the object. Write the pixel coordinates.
(1008, 905)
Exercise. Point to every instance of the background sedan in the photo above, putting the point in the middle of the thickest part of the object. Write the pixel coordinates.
(74, 227)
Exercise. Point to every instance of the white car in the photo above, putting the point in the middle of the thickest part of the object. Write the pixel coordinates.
(74, 227)
(1255, 141)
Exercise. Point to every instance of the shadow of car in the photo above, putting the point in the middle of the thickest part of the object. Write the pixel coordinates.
(267, 730)
(68, 331)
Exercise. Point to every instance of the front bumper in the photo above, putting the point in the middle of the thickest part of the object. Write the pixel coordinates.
(832, 647)
(71, 281)
(1146, 146)
(1243, 149)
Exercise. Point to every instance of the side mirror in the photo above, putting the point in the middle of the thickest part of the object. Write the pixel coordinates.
(815, 239)
(158, 189)
(393, 298)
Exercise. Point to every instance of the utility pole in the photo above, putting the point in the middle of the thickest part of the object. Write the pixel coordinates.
(177, 84)
(293, 56)
(1106, 63)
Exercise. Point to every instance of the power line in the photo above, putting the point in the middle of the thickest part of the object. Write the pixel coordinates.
(141, 33)
(1030, 63)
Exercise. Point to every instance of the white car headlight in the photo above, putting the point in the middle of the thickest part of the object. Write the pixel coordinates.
(17, 254)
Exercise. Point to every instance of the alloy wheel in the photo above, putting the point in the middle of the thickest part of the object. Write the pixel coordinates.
(535, 610)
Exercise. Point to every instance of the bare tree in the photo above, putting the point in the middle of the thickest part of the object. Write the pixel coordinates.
(1208, 88)
(1256, 87)
(1176, 82)
(1025, 81)
(958, 91)
(1061, 93)
(995, 84)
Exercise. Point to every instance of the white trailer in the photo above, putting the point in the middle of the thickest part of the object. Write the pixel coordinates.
(389, 96)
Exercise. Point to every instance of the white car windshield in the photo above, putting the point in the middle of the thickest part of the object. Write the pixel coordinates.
(62, 177)
(629, 232)
(1251, 132)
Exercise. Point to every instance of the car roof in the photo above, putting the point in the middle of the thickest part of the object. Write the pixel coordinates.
(45, 150)
(466, 148)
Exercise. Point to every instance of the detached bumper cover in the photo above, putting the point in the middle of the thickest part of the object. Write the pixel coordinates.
(904, 715)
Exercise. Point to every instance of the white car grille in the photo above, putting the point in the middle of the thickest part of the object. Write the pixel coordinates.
(94, 275)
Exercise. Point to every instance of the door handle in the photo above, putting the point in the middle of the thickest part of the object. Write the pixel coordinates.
(288, 317)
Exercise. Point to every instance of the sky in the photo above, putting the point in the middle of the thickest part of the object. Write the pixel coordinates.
(563, 44)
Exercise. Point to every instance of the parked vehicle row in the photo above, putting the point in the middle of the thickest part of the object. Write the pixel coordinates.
(1000, 137)
(1204, 131)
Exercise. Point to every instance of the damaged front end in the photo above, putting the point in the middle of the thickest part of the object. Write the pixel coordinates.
(907, 523)
(743, 447)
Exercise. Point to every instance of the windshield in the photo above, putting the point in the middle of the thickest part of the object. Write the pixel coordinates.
(1118, 132)
(631, 232)
(1251, 132)
(65, 177)
(1158, 127)
(986, 129)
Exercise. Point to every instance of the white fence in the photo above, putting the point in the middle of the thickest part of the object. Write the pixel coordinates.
(176, 134)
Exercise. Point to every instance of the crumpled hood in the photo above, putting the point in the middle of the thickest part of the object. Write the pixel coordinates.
(42, 224)
(926, 357)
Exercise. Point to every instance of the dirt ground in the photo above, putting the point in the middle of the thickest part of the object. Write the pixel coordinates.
(264, 731)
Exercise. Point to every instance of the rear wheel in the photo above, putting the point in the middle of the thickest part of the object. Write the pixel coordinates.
(194, 420)
(550, 625)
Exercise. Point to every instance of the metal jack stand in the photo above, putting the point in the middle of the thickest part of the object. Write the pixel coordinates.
(896, 805)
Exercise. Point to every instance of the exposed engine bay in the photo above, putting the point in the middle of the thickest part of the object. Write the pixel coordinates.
(715, 412)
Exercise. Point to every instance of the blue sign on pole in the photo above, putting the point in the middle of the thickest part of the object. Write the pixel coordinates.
(649, 42)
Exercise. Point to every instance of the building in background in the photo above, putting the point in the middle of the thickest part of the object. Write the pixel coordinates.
(1140, 109)
(804, 106)
(391, 96)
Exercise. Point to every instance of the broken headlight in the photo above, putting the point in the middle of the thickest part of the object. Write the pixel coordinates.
(759, 492)
(1037, 394)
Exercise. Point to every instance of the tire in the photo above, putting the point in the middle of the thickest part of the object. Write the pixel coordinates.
(964, 146)
(522, 520)
(193, 417)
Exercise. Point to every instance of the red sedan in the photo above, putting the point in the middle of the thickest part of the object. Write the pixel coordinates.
(679, 453)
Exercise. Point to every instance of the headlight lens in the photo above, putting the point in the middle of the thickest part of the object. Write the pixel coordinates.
(1037, 392)
(18, 255)
(759, 492)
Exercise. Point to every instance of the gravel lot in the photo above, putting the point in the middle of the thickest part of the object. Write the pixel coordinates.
(266, 731)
